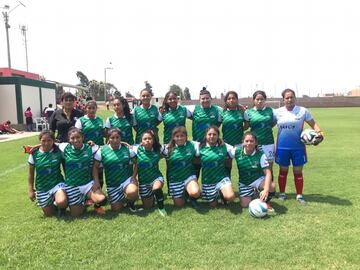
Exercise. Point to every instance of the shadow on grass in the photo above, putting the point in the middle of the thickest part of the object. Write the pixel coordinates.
(320, 198)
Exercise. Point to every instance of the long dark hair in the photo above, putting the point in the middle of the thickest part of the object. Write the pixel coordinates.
(111, 131)
(51, 134)
(156, 144)
(126, 108)
(171, 144)
(227, 96)
(217, 130)
(165, 104)
(259, 92)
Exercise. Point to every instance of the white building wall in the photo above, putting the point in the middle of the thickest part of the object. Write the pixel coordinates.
(48, 97)
(8, 103)
(31, 98)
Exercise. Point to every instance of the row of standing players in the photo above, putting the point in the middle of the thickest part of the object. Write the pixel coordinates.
(214, 154)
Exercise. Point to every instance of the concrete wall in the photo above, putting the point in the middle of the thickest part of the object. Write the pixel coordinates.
(30, 97)
(48, 97)
(8, 103)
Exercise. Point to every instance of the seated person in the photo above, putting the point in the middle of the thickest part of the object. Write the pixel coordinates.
(5, 128)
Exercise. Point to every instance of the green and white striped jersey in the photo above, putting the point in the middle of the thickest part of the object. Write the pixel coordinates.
(145, 119)
(78, 163)
(232, 126)
(250, 167)
(117, 164)
(47, 169)
(180, 161)
(124, 125)
(92, 128)
(261, 123)
(204, 118)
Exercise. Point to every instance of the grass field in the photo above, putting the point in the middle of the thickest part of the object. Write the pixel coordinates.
(324, 234)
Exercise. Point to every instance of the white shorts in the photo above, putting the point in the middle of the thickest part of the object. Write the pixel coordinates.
(177, 189)
(77, 194)
(145, 190)
(269, 151)
(248, 190)
(210, 192)
(45, 199)
(116, 194)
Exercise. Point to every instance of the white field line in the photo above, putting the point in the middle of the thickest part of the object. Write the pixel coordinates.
(7, 172)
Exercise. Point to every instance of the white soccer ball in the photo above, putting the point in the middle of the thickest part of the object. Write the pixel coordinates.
(257, 208)
(308, 136)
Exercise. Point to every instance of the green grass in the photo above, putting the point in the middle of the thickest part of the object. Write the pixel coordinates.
(324, 234)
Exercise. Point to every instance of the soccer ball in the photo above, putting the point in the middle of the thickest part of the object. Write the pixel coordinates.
(308, 136)
(257, 208)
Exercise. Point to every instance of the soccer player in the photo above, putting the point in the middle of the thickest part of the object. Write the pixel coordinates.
(203, 116)
(261, 121)
(173, 115)
(180, 153)
(150, 178)
(233, 124)
(91, 125)
(49, 185)
(120, 176)
(122, 119)
(254, 171)
(215, 178)
(146, 116)
(78, 167)
(289, 148)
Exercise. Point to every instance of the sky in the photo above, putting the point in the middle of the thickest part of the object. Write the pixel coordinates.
(311, 46)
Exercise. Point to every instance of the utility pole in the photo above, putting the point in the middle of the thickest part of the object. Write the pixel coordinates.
(105, 80)
(23, 29)
(7, 26)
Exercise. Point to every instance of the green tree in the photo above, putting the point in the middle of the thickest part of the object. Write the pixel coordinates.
(187, 95)
(177, 89)
(148, 87)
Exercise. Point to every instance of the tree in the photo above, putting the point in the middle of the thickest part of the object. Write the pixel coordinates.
(187, 95)
(177, 89)
(58, 93)
(84, 81)
(148, 87)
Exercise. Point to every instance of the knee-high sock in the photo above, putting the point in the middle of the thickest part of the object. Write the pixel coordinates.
(159, 196)
(282, 180)
(299, 182)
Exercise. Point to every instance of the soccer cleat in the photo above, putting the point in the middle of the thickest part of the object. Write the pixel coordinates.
(300, 199)
(162, 212)
(270, 209)
(282, 196)
(100, 210)
(194, 204)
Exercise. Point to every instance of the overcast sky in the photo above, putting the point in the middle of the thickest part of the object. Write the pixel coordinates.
(312, 46)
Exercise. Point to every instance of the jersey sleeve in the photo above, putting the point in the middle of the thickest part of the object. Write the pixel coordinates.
(188, 113)
(220, 112)
(78, 124)
(135, 149)
(31, 160)
(162, 150)
(197, 148)
(159, 116)
(134, 121)
(308, 115)
(107, 123)
(103, 122)
(132, 152)
(232, 152)
(246, 116)
(229, 150)
(97, 155)
(264, 162)
(62, 146)
(95, 148)
(165, 152)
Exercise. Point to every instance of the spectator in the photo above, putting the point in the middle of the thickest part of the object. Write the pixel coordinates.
(28, 119)
(49, 111)
(5, 128)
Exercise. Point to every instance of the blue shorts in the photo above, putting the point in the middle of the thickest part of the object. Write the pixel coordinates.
(298, 157)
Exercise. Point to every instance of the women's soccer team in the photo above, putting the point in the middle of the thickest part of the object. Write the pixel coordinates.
(131, 167)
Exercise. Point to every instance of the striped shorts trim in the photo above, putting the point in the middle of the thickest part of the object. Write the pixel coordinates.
(177, 189)
(116, 194)
(45, 199)
(76, 194)
(210, 192)
(248, 190)
(145, 190)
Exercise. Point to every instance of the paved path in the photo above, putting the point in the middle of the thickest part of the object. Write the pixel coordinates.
(10, 137)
